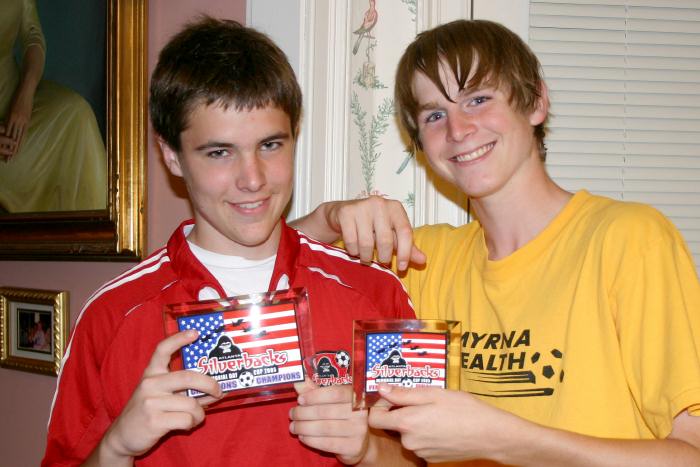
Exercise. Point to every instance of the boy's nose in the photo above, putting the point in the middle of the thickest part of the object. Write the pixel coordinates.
(459, 126)
(251, 174)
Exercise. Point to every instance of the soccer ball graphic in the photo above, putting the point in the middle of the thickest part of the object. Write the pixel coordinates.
(246, 379)
(342, 359)
(407, 382)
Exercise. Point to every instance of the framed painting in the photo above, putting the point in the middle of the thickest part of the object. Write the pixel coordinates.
(33, 329)
(114, 230)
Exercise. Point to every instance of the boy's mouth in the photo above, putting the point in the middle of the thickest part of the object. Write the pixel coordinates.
(473, 155)
(252, 205)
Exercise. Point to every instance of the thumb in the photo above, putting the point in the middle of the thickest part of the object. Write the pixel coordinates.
(305, 386)
(404, 396)
(417, 256)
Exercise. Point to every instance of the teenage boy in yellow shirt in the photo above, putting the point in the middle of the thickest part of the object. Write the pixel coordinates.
(580, 314)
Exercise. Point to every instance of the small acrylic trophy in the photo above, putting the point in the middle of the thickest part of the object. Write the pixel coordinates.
(407, 353)
(253, 345)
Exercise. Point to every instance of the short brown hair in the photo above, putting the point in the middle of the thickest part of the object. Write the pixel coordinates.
(221, 61)
(502, 60)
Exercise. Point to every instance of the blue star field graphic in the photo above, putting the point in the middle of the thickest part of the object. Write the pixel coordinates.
(210, 327)
(380, 345)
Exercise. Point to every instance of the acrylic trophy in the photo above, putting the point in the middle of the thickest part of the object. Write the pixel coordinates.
(406, 353)
(253, 345)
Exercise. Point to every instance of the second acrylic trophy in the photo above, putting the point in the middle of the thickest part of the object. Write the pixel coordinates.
(407, 353)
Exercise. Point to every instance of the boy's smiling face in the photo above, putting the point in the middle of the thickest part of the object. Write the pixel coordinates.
(238, 166)
(479, 142)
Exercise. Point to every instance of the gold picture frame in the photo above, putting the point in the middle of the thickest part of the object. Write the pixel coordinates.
(33, 329)
(119, 232)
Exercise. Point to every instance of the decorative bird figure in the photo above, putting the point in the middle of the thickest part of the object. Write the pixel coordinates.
(368, 22)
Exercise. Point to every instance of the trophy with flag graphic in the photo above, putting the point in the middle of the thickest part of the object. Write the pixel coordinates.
(253, 345)
(407, 353)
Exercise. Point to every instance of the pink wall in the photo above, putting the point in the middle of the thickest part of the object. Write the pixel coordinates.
(25, 398)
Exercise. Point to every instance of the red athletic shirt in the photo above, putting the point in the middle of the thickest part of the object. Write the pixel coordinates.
(122, 322)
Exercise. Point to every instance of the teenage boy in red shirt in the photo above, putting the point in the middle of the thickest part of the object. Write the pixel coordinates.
(225, 105)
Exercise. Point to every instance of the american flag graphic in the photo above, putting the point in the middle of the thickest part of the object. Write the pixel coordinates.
(256, 333)
(410, 359)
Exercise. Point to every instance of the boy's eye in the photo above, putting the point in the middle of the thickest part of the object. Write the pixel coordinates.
(271, 145)
(478, 100)
(434, 116)
(218, 153)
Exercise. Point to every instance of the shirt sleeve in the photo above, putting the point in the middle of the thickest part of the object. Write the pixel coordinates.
(79, 418)
(30, 31)
(656, 296)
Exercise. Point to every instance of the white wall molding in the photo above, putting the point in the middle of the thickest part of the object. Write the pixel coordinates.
(335, 151)
(301, 198)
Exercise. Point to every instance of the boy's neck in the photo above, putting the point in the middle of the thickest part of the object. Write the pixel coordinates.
(207, 238)
(517, 214)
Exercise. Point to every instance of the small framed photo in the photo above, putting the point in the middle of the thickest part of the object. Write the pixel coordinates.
(33, 329)
(253, 345)
(407, 353)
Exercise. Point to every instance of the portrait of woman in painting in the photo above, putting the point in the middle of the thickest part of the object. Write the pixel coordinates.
(52, 156)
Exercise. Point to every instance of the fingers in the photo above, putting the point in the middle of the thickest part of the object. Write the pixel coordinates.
(173, 404)
(19, 138)
(380, 225)
(17, 122)
(417, 255)
(380, 417)
(145, 420)
(357, 233)
(158, 404)
(158, 379)
(384, 239)
(382, 404)
(7, 147)
(404, 396)
(327, 427)
(326, 412)
(7, 144)
(321, 408)
(205, 401)
(366, 243)
(305, 386)
(392, 229)
(343, 447)
(178, 381)
(164, 351)
(14, 130)
(332, 428)
(15, 127)
(179, 421)
(326, 403)
(341, 393)
(10, 129)
(404, 246)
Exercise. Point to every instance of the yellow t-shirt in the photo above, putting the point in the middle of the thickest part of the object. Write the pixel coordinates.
(592, 327)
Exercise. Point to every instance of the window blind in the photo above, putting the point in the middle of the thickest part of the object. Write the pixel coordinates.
(624, 81)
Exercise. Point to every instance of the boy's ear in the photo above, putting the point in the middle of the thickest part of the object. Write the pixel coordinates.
(539, 114)
(170, 157)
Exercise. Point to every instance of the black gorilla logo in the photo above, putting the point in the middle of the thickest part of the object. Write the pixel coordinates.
(325, 369)
(394, 360)
(225, 350)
